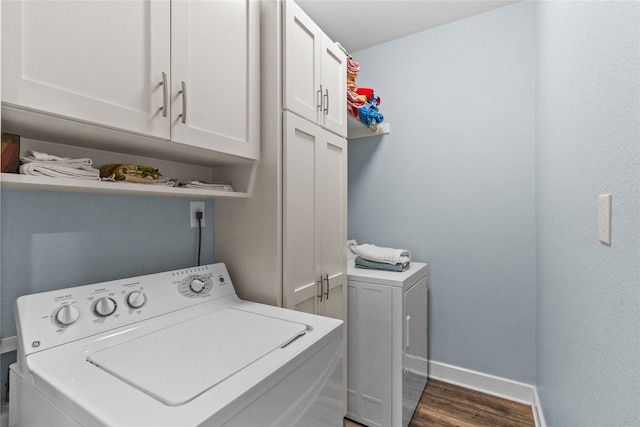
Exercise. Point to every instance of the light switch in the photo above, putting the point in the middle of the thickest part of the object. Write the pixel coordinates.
(604, 218)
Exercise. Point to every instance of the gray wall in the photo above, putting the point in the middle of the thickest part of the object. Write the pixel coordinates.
(454, 181)
(53, 240)
(520, 287)
(588, 143)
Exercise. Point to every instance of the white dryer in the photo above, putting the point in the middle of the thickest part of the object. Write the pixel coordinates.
(387, 344)
(177, 348)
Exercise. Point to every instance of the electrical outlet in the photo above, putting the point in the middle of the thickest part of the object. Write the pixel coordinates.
(196, 207)
(604, 218)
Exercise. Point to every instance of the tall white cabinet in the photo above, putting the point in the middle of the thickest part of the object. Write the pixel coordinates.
(286, 245)
(185, 71)
(314, 211)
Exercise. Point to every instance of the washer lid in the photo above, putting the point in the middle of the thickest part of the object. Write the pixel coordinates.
(177, 364)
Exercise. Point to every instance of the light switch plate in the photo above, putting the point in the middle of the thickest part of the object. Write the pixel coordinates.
(604, 218)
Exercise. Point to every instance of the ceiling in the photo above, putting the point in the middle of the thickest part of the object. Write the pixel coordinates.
(359, 24)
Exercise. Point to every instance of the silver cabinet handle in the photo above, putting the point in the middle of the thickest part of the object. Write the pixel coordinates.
(326, 295)
(165, 94)
(319, 282)
(183, 116)
(319, 98)
(326, 107)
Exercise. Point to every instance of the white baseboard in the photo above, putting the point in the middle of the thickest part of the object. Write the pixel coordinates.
(489, 384)
(538, 415)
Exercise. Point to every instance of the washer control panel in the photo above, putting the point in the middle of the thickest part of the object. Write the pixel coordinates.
(195, 285)
(52, 318)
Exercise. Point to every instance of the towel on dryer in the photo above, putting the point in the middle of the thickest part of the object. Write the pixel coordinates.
(383, 255)
(374, 265)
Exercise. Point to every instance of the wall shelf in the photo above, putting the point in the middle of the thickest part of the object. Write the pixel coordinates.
(26, 182)
(357, 129)
(240, 175)
(381, 129)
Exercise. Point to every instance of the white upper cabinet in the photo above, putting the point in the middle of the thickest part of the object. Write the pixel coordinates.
(124, 64)
(99, 61)
(334, 85)
(215, 75)
(315, 72)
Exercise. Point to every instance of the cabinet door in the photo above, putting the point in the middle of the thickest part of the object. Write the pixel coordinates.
(315, 72)
(314, 217)
(215, 75)
(99, 61)
(302, 285)
(332, 205)
(301, 71)
(334, 84)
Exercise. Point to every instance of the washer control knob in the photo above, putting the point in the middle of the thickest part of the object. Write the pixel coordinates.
(136, 299)
(105, 306)
(67, 314)
(197, 285)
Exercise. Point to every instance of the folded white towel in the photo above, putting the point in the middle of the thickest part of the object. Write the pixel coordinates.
(36, 156)
(55, 170)
(386, 255)
(36, 163)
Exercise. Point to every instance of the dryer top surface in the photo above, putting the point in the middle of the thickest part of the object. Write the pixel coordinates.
(388, 278)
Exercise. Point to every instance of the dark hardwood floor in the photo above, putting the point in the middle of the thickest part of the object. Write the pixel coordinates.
(448, 405)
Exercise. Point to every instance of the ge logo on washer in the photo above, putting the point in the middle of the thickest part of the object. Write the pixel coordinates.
(35, 344)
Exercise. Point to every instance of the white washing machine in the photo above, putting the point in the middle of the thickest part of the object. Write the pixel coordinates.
(387, 344)
(177, 348)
